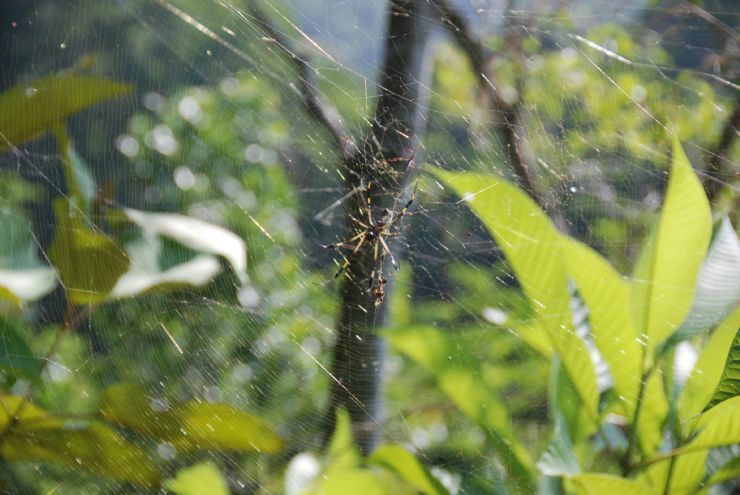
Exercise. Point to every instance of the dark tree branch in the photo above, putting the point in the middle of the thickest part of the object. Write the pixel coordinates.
(323, 113)
(511, 130)
(382, 169)
(716, 172)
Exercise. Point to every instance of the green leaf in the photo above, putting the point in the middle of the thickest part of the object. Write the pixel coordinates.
(652, 415)
(33, 108)
(146, 275)
(201, 479)
(342, 452)
(717, 427)
(83, 179)
(460, 380)
(607, 484)
(729, 381)
(665, 276)
(23, 278)
(355, 481)
(15, 356)
(728, 472)
(710, 369)
(89, 262)
(533, 335)
(530, 242)
(559, 458)
(718, 283)
(404, 464)
(607, 294)
(565, 410)
(197, 235)
(92, 446)
(191, 426)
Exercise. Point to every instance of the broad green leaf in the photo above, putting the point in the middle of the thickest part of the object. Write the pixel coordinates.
(191, 426)
(559, 457)
(534, 336)
(83, 179)
(342, 452)
(355, 481)
(665, 277)
(717, 427)
(718, 283)
(201, 479)
(461, 382)
(89, 262)
(15, 356)
(10, 406)
(197, 235)
(92, 446)
(709, 368)
(23, 278)
(729, 381)
(33, 108)
(531, 245)
(404, 464)
(607, 484)
(146, 275)
(607, 294)
(730, 471)
(652, 415)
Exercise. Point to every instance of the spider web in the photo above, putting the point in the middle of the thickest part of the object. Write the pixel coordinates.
(267, 349)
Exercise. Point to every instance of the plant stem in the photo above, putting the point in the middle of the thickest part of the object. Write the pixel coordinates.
(633, 439)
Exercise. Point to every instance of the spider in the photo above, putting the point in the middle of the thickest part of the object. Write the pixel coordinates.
(373, 232)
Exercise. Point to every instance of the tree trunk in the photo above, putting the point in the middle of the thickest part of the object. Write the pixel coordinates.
(380, 173)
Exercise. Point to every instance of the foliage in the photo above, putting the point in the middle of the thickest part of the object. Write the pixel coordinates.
(647, 309)
(144, 348)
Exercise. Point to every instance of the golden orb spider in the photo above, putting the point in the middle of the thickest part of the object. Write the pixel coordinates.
(373, 232)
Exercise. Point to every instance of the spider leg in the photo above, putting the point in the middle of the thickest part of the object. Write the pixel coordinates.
(387, 250)
(354, 251)
(360, 223)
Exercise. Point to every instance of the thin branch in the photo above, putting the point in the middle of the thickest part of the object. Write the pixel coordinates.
(479, 58)
(719, 158)
(326, 115)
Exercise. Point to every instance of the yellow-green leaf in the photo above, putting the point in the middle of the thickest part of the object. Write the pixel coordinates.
(717, 427)
(607, 484)
(531, 244)
(437, 353)
(355, 481)
(342, 452)
(729, 382)
(201, 479)
(33, 108)
(607, 294)
(705, 377)
(404, 464)
(652, 415)
(191, 426)
(89, 262)
(665, 277)
(92, 446)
